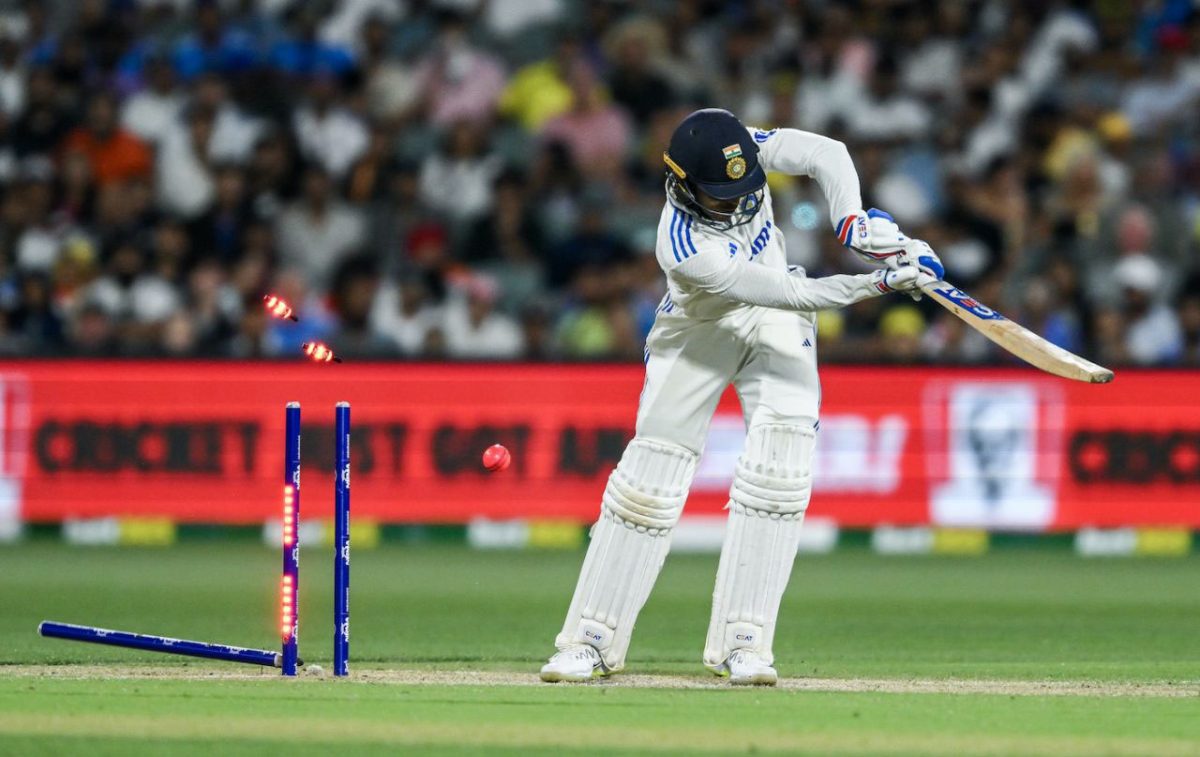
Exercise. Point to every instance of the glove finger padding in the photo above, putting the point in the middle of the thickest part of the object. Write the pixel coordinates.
(903, 279)
(920, 254)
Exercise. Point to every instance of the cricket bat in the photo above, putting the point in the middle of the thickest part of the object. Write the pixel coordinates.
(1014, 337)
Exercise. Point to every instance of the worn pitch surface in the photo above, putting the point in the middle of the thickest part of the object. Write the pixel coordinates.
(1028, 651)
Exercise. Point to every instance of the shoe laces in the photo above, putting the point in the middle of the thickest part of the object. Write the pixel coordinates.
(582, 652)
(745, 657)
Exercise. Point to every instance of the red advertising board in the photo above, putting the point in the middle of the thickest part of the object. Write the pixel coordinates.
(203, 442)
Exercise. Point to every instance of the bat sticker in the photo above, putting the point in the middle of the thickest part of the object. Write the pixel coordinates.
(967, 302)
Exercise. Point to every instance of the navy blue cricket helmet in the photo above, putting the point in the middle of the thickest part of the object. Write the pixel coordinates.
(711, 152)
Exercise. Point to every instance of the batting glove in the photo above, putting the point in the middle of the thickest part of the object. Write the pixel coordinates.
(920, 254)
(905, 279)
(874, 236)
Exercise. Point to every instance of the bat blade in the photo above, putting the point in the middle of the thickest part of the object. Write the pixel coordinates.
(1014, 337)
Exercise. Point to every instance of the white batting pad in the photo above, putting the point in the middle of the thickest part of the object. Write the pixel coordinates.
(767, 501)
(641, 504)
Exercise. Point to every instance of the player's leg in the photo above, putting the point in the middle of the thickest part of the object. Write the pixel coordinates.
(780, 396)
(688, 368)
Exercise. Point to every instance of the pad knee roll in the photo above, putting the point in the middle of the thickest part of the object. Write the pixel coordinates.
(774, 474)
(648, 488)
(641, 504)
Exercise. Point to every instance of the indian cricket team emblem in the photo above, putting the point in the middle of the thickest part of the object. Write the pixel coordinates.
(735, 164)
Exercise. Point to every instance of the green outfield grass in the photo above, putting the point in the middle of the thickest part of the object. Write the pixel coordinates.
(1019, 615)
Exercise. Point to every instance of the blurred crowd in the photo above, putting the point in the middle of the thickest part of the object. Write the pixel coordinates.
(481, 179)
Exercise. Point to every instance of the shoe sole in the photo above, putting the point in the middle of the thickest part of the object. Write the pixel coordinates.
(553, 676)
(760, 679)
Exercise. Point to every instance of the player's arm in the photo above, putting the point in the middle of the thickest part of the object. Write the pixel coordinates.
(733, 278)
(872, 234)
(827, 161)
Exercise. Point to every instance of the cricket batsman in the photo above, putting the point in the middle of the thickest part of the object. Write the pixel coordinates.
(734, 312)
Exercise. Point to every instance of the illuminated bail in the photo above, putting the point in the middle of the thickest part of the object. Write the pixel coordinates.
(319, 353)
(278, 307)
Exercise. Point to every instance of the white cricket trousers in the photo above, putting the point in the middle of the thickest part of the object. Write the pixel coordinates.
(769, 355)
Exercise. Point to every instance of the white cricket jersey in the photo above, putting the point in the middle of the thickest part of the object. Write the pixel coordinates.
(707, 270)
(680, 237)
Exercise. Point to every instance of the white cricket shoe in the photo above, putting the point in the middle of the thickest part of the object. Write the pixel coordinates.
(747, 668)
(575, 664)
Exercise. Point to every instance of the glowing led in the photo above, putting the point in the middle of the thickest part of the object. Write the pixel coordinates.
(279, 308)
(319, 353)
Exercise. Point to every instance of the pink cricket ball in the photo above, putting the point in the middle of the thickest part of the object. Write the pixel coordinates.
(496, 458)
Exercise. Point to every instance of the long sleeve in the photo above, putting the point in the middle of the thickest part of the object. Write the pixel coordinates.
(735, 279)
(802, 153)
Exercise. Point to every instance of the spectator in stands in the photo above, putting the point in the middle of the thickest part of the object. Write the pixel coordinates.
(212, 312)
(1152, 333)
(390, 83)
(113, 153)
(12, 78)
(596, 132)
(354, 286)
(303, 54)
(456, 181)
(594, 323)
(900, 331)
(318, 230)
(93, 333)
(184, 179)
(395, 216)
(634, 48)
(219, 231)
(459, 81)
(473, 329)
(74, 193)
(537, 330)
(272, 173)
(539, 91)
(136, 299)
(593, 244)
(35, 320)
(1046, 312)
(1038, 147)
(45, 119)
(234, 132)
(171, 251)
(507, 244)
(254, 338)
(555, 189)
(37, 242)
(150, 113)
(326, 131)
(215, 46)
(368, 179)
(75, 270)
(406, 313)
